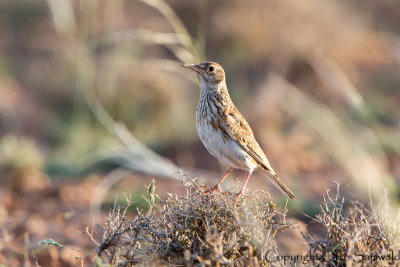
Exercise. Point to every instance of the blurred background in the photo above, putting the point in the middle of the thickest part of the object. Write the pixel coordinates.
(94, 105)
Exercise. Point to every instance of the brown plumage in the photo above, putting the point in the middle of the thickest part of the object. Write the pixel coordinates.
(224, 131)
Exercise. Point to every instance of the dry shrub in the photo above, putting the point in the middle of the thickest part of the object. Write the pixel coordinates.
(195, 228)
(364, 235)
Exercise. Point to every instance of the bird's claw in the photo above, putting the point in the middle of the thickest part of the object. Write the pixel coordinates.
(214, 189)
(238, 195)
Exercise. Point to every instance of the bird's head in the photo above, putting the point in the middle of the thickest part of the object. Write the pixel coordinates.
(210, 74)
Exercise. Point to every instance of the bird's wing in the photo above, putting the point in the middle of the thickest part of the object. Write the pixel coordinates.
(237, 128)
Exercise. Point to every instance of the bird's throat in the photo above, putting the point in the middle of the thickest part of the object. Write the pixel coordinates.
(208, 86)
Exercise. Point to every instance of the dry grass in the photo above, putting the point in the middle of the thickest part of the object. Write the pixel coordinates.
(363, 234)
(206, 229)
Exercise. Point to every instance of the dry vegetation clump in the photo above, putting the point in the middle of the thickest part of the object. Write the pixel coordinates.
(194, 228)
(363, 235)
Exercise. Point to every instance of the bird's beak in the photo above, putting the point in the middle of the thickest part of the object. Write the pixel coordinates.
(193, 67)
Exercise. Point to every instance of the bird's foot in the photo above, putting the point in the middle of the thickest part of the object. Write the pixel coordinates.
(237, 198)
(216, 188)
(238, 195)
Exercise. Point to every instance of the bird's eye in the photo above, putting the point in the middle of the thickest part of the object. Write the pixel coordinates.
(211, 68)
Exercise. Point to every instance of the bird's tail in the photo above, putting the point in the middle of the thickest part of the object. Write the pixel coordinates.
(278, 183)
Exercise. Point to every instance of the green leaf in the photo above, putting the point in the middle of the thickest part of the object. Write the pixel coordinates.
(50, 242)
(151, 188)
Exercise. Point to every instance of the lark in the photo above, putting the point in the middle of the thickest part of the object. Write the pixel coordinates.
(224, 131)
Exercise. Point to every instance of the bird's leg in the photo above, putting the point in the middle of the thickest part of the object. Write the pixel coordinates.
(244, 186)
(217, 187)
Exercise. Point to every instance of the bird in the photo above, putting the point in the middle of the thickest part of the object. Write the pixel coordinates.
(224, 131)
